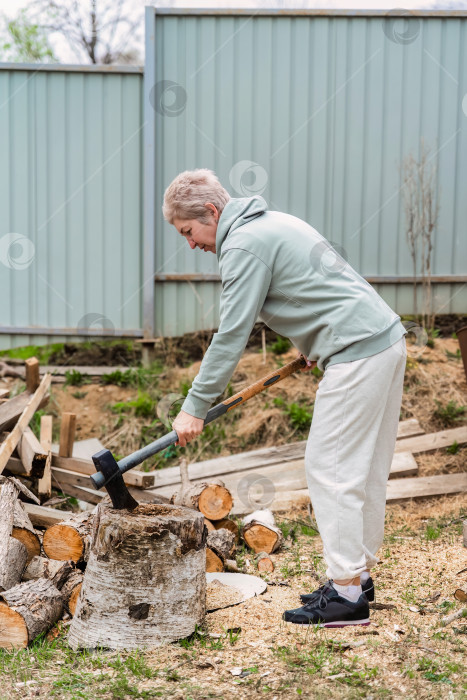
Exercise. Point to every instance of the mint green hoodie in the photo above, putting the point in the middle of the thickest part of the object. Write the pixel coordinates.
(277, 268)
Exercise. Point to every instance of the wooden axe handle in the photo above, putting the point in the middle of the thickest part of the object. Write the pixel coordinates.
(162, 443)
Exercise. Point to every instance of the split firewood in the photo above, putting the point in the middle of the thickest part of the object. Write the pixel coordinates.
(145, 579)
(454, 616)
(231, 566)
(264, 563)
(70, 590)
(220, 545)
(21, 488)
(260, 532)
(461, 594)
(32, 454)
(209, 525)
(212, 499)
(228, 524)
(12, 409)
(8, 498)
(56, 571)
(14, 563)
(24, 531)
(27, 610)
(69, 539)
(35, 400)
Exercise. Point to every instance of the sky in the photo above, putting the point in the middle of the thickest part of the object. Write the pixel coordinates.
(10, 8)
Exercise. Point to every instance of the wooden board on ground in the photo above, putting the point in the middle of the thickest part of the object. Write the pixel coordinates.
(83, 449)
(253, 486)
(42, 516)
(255, 459)
(397, 490)
(12, 409)
(433, 441)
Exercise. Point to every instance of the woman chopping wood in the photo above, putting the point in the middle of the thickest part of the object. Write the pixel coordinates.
(277, 268)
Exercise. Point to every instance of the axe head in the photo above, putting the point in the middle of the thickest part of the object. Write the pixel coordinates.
(121, 498)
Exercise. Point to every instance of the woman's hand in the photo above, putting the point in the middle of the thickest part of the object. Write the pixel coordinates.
(309, 363)
(187, 428)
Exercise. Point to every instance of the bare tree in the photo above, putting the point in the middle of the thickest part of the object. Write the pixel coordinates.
(102, 31)
(421, 214)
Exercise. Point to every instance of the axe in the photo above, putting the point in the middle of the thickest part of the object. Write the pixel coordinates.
(110, 472)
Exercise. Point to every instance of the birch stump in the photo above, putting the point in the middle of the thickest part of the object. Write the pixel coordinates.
(15, 560)
(27, 610)
(69, 539)
(145, 581)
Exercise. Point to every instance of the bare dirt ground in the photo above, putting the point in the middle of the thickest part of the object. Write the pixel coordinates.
(247, 651)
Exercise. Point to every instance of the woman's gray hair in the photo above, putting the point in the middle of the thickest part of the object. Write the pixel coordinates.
(186, 196)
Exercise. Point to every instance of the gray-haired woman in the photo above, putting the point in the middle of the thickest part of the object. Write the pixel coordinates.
(276, 267)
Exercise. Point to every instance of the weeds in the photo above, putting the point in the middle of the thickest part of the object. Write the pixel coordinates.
(75, 378)
(281, 345)
(299, 417)
(450, 413)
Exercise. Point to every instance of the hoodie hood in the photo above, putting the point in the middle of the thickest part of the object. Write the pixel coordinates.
(238, 212)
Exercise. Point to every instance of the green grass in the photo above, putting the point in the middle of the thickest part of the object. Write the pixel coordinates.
(143, 406)
(42, 352)
(75, 378)
(281, 345)
(450, 413)
(300, 417)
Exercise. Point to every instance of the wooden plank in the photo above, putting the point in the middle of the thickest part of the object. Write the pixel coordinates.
(32, 374)
(138, 479)
(433, 441)
(401, 489)
(283, 477)
(44, 486)
(67, 434)
(42, 516)
(4, 393)
(11, 410)
(60, 371)
(409, 427)
(32, 454)
(31, 407)
(398, 490)
(255, 459)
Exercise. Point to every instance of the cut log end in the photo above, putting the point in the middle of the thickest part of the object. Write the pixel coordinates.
(73, 599)
(213, 562)
(13, 630)
(63, 542)
(264, 563)
(261, 538)
(215, 502)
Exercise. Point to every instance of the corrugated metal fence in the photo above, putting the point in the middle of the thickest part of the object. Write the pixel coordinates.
(71, 202)
(315, 110)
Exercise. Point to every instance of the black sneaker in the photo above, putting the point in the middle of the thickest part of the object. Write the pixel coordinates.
(367, 588)
(329, 609)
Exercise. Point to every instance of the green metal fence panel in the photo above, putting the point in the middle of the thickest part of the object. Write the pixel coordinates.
(71, 233)
(315, 111)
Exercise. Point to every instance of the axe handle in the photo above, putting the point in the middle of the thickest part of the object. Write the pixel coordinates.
(171, 438)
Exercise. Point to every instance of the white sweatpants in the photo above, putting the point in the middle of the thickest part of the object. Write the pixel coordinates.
(348, 457)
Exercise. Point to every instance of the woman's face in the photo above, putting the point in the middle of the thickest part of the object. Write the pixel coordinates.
(198, 235)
